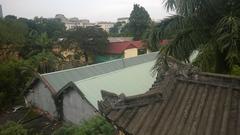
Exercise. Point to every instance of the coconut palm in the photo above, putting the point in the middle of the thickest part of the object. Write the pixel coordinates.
(210, 27)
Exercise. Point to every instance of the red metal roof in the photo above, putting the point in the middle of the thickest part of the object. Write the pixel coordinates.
(120, 47)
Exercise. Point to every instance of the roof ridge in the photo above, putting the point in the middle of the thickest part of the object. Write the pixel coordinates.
(87, 66)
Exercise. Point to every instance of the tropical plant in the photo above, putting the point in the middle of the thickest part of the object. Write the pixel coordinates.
(212, 28)
(44, 62)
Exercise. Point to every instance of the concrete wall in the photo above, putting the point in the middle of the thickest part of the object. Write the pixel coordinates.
(75, 108)
(130, 53)
(41, 97)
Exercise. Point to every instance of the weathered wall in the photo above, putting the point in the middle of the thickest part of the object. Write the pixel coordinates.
(76, 109)
(41, 97)
(130, 53)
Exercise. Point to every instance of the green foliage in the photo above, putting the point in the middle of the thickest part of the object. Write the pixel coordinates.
(33, 39)
(92, 39)
(13, 81)
(211, 28)
(12, 128)
(116, 29)
(139, 21)
(44, 62)
(235, 70)
(95, 126)
(12, 32)
(120, 29)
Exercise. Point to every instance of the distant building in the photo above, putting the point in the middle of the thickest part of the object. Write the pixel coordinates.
(123, 19)
(106, 25)
(61, 17)
(74, 22)
(121, 48)
(119, 39)
(1, 13)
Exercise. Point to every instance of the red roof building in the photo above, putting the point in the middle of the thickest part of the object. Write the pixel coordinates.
(120, 47)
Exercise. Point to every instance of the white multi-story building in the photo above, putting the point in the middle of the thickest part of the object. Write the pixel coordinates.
(106, 25)
(123, 19)
(74, 22)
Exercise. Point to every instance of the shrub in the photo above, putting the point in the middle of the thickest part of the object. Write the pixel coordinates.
(95, 126)
(12, 128)
(13, 81)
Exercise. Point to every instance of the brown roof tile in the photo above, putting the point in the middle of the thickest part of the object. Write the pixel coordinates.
(196, 104)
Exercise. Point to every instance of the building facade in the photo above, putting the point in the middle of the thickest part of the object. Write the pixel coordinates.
(106, 25)
(74, 22)
(123, 20)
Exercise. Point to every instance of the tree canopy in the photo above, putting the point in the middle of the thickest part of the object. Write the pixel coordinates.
(139, 21)
(90, 39)
(212, 28)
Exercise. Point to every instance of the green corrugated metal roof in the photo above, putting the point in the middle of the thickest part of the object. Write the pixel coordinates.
(130, 81)
(60, 78)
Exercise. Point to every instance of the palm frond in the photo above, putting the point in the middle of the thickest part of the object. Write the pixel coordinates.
(228, 37)
(206, 57)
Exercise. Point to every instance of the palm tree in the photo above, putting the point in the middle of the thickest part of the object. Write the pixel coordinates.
(210, 27)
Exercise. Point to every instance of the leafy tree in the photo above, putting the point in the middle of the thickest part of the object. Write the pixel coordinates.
(210, 27)
(90, 39)
(119, 29)
(12, 128)
(42, 34)
(139, 21)
(12, 32)
(95, 126)
(53, 27)
(44, 62)
(13, 81)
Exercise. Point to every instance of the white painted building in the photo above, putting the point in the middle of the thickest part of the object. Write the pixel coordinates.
(106, 25)
(74, 22)
(123, 19)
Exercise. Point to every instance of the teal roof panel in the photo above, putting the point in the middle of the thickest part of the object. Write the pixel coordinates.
(130, 81)
(59, 79)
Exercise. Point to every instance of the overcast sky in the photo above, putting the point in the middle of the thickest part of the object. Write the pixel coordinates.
(94, 10)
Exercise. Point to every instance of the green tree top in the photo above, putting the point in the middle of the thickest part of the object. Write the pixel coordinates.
(139, 21)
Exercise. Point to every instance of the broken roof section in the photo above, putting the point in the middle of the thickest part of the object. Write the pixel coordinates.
(181, 101)
(60, 78)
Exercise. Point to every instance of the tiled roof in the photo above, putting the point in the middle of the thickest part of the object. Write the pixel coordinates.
(120, 47)
(180, 102)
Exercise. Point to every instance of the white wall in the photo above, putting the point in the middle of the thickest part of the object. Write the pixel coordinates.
(76, 109)
(41, 97)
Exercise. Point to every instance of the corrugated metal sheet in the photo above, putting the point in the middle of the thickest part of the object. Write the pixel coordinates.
(130, 81)
(60, 78)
